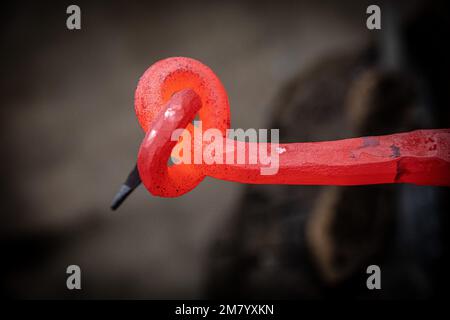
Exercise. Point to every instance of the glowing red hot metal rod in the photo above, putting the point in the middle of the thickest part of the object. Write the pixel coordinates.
(172, 91)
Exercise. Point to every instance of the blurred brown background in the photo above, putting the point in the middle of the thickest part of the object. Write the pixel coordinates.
(70, 136)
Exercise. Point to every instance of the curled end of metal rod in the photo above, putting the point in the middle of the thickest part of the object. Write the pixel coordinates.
(132, 182)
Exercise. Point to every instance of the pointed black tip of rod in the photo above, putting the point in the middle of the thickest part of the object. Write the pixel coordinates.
(132, 182)
(120, 196)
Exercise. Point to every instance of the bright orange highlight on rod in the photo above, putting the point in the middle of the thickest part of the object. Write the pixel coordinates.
(186, 86)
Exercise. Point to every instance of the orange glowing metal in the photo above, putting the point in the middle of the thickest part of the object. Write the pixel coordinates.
(186, 86)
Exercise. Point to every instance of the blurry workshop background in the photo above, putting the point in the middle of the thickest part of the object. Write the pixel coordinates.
(69, 137)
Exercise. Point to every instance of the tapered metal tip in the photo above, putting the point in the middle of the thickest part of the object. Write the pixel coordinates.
(132, 182)
(120, 196)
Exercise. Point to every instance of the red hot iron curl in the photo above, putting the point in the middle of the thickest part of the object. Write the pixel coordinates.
(173, 91)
